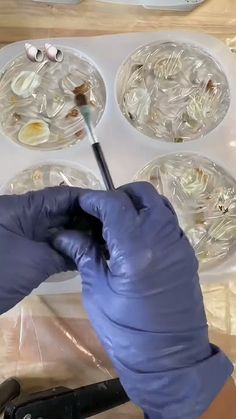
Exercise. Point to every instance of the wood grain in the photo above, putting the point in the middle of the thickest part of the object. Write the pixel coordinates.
(24, 19)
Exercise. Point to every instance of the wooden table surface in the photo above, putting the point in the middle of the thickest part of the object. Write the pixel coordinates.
(24, 19)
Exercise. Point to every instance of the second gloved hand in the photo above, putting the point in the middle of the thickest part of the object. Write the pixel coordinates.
(26, 257)
(146, 303)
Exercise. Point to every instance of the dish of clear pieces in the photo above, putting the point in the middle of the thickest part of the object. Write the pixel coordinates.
(173, 92)
(204, 198)
(37, 107)
(50, 174)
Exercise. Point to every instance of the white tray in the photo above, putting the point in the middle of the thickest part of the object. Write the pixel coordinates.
(169, 5)
(126, 149)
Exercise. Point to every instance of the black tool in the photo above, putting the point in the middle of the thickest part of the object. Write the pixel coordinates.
(64, 403)
(9, 389)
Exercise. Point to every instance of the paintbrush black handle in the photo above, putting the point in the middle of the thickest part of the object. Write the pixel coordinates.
(102, 164)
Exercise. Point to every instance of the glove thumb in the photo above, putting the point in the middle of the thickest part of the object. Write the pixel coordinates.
(82, 249)
(73, 244)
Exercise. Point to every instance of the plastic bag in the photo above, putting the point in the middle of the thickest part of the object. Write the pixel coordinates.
(48, 341)
(220, 305)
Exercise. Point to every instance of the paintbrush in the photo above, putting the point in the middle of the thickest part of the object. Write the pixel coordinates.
(85, 110)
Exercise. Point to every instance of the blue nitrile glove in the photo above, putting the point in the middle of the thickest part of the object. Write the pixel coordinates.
(26, 258)
(146, 304)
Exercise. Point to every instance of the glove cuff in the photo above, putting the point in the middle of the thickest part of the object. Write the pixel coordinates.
(184, 393)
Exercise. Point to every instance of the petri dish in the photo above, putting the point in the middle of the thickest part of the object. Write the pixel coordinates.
(173, 92)
(203, 195)
(37, 107)
(50, 174)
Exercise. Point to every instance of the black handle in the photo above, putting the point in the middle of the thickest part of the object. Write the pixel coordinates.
(102, 164)
(64, 403)
(9, 389)
(98, 398)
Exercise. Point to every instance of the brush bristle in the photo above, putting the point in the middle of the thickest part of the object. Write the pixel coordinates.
(81, 100)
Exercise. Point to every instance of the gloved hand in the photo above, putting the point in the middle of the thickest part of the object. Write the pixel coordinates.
(26, 258)
(146, 304)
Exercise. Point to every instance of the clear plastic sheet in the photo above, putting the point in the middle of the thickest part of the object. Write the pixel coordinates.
(37, 107)
(173, 92)
(47, 342)
(204, 197)
(220, 305)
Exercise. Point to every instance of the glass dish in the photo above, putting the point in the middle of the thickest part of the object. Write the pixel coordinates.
(37, 107)
(204, 197)
(50, 174)
(173, 92)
